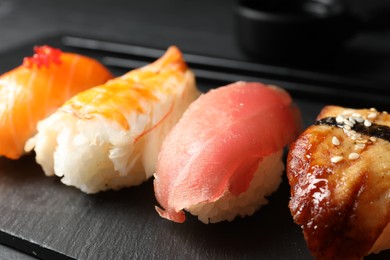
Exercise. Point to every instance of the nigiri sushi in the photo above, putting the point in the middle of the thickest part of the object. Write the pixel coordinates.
(339, 172)
(224, 155)
(37, 88)
(108, 137)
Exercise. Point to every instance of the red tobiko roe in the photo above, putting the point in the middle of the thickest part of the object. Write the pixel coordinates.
(44, 56)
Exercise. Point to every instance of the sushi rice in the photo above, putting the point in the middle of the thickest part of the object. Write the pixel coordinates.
(95, 153)
(266, 180)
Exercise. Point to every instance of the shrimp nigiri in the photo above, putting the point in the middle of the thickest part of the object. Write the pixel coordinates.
(37, 88)
(108, 137)
(339, 172)
(224, 155)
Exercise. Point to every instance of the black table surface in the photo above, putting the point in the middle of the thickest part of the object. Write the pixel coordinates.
(43, 218)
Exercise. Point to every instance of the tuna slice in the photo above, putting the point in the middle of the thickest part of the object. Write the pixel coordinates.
(218, 145)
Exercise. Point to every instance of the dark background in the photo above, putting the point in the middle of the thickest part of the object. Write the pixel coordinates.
(201, 27)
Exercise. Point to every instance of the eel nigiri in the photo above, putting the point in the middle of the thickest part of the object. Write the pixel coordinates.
(108, 137)
(37, 88)
(339, 172)
(224, 155)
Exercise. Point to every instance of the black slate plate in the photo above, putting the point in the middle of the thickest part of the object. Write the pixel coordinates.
(44, 218)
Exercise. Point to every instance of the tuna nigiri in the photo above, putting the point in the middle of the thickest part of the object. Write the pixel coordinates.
(108, 137)
(35, 89)
(339, 172)
(224, 155)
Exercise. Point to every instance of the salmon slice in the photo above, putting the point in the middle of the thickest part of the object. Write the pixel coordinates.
(34, 90)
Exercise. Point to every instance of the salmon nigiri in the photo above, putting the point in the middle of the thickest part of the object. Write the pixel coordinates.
(108, 137)
(224, 155)
(37, 88)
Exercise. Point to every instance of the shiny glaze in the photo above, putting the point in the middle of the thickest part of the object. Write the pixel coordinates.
(342, 207)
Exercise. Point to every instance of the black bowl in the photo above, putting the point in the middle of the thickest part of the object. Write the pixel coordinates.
(294, 30)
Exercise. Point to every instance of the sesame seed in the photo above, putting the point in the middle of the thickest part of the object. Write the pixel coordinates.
(355, 137)
(361, 141)
(347, 122)
(352, 120)
(336, 159)
(339, 119)
(347, 127)
(359, 119)
(372, 138)
(353, 156)
(373, 109)
(384, 112)
(360, 146)
(367, 123)
(335, 140)
(372, 115)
